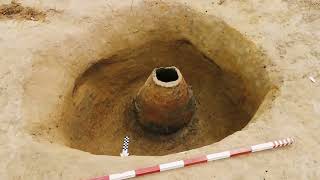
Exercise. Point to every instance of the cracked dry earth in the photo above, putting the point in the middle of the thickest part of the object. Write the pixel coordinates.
(248, 61)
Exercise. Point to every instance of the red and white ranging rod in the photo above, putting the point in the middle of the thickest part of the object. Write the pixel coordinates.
(196, 160)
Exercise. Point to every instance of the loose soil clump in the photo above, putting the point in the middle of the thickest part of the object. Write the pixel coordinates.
(15, 10)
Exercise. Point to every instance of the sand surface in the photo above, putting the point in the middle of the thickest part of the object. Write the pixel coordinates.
(272, 45)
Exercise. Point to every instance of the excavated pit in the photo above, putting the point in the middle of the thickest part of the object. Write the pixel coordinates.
(90, 104)
(102, 113)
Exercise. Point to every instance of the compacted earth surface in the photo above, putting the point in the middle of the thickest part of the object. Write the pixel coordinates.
(70, 72)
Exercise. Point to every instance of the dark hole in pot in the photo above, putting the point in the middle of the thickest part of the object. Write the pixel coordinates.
(167, 74)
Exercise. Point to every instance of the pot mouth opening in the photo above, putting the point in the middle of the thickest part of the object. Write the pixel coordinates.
(167, 76)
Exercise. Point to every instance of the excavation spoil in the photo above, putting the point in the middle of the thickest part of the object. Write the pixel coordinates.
(15, 10)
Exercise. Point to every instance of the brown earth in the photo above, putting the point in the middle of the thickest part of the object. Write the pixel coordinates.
(14, 10)
(249, 63)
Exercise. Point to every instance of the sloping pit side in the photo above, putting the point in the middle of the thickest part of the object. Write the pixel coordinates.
(235, 55)
(89, 107)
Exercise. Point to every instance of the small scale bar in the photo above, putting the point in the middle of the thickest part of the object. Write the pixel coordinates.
(197, 160)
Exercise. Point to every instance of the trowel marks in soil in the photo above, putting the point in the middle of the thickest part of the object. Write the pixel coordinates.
(102, 110)
(15, 10)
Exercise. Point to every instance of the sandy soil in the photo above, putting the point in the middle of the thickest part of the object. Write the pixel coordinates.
(272, 45)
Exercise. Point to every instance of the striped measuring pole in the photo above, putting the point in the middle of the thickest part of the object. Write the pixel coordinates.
(125, 147)
(197, 160)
